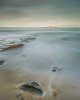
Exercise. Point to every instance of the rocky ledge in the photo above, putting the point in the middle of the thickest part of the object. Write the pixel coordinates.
(11, 46)
(11, 43)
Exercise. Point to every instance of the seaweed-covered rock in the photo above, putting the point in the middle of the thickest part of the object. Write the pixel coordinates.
(11, 46)
(32, 87)
(1, 61)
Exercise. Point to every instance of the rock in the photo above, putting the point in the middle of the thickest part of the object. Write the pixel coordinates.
(11, 46)
(1, 62)
(32, 87)
(28, 39)
(31, 38)
(55, 68)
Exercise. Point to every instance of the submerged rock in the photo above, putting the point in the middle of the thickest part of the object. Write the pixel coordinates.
(28, 39)
(55, 68)
(32, 87)
(1, 62)
(24, 55)
(11, 46)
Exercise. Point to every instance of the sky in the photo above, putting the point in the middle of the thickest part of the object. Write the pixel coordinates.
(39, 13)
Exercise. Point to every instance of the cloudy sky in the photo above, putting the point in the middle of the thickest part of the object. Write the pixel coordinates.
(32, 13)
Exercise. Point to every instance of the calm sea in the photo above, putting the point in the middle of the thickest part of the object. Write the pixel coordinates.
(33, 62)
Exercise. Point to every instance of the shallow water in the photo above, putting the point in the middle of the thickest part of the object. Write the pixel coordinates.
(33, 62)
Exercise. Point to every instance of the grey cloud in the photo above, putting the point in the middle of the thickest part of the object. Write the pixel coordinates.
(20, 3)
(55, 3)
(11, 13)
(24, 12)
(40, 9)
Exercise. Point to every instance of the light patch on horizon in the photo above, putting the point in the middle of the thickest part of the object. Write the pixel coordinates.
(29, 23)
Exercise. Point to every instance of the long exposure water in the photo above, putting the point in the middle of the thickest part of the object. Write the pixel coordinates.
(33, 62)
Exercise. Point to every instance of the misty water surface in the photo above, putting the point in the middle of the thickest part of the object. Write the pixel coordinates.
(33, 62)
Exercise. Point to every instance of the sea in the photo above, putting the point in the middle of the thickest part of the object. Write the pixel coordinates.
(52, 47)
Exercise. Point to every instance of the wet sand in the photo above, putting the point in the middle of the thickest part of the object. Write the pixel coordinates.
(9, 79)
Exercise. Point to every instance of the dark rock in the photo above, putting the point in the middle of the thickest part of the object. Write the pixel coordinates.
(1, 62)
(55, 68)
(32, 87)
(29, 39)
